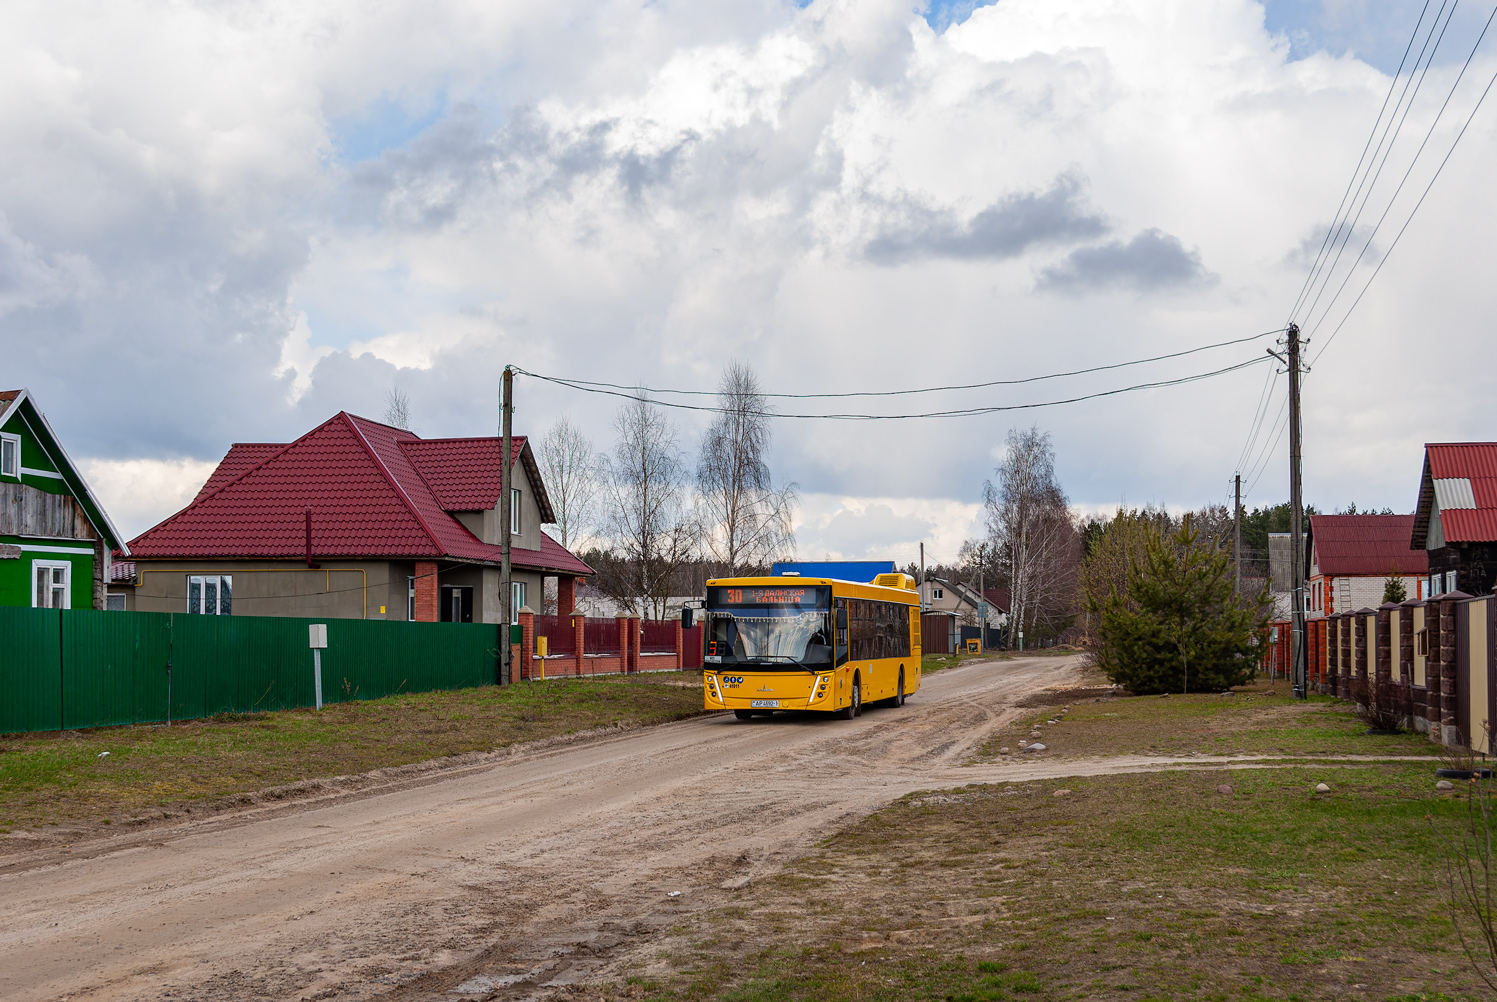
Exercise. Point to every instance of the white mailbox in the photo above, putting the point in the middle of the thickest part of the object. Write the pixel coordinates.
(318, 640)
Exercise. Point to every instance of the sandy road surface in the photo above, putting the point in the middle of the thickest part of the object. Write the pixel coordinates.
(534, 872)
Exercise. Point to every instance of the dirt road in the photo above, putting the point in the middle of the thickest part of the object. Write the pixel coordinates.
(506, 880)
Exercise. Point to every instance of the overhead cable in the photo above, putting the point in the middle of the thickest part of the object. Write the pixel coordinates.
(1335, 219)
(644, 393)
(1412, 212)
(579, 383)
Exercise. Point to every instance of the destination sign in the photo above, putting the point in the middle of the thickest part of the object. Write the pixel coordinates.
(800, 596)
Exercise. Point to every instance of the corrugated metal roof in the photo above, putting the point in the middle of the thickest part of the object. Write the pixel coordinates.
(1473, 518)
(1365, 545)
(366, 496)
(1454, 492)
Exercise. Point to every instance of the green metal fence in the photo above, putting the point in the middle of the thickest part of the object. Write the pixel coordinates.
(69, 668)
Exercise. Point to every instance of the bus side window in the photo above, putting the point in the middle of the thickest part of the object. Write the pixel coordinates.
(842, 616)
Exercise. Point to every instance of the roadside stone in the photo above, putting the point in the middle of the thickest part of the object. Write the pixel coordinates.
(1062, 793)
(1035, 747)
(1229, 692)
(1224, 788)
(734, 883)
(1322, 788)
(1164, 695)
(1445, 784)
(1052, 722)
(1003, 751)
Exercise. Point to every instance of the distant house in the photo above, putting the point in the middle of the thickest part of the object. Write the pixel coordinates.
(941, 595)
(1455, 523)
(354, 520)
(1350, 557)
(55, 538)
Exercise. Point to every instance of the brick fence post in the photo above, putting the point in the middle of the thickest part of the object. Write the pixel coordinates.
(623, 623)
(426, 592)
(636, 639)
(1347, 668)
(1433, 676)
(578, 624)
(680, 646)
(527, 642)
(1450, 729)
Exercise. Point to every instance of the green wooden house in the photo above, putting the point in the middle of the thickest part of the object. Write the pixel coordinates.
(55, 539)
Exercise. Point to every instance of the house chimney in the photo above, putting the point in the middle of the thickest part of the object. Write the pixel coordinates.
(309, 540)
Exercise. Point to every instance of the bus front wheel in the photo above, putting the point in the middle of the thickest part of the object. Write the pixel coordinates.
(854, 705)
(899, 695)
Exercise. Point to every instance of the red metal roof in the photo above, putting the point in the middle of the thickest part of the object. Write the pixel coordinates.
(240, 457)
(367, 497)
(1367, 545)
(1473, 461)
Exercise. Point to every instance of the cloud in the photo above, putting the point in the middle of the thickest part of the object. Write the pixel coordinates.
(1152, 261)
(138, 493)
(1005, 229)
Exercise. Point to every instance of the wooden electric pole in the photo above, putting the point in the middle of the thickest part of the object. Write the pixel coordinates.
(506, 521)
(1296, 523)
(1237, 531)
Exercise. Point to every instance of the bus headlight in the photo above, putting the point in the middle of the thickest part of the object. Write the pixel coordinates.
(819, 687)
(713, 690)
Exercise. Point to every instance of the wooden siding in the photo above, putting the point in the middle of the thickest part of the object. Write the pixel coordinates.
(27, 511)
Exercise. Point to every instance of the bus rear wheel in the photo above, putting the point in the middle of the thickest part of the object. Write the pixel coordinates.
(744, 714)
(898, 699)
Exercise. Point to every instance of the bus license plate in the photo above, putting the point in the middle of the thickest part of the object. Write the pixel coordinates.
(765, 704)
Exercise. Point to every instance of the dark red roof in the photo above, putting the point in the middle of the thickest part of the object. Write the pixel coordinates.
(240, 457)
(367, 495)
(1369, 545)
(1473, 462)
(997, 598)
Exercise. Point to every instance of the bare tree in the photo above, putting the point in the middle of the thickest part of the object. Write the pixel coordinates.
(1035, 539)
(570, 465)
(747, 520)
(397, 409)
(651, 527)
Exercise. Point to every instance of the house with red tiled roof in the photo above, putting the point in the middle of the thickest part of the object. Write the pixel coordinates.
(1456, 521)
(1350, 558)
(357, 520)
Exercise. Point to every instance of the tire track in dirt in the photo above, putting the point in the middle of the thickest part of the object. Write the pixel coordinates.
(532, 872)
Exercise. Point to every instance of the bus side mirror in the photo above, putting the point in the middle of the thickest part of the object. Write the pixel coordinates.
(688, 617)
(842, 618)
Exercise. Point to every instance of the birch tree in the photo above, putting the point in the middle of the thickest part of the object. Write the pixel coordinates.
(1035, 539)
(746, 519)
(648, 518)
(570, 465)
(397, 409)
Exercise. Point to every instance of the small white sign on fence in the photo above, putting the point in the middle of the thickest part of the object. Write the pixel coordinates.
(317, 640)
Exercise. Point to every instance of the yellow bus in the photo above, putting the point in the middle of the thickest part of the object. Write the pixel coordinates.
(816, 644)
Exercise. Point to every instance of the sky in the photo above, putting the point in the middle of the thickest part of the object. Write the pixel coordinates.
(226, 221)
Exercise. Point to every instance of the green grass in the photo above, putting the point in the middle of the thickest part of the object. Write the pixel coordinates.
(63, 778)
(1253, 721)
(1131, 887)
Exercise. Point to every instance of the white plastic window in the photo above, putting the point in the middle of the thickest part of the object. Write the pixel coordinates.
(517, 599)
(514, 510)
(410, 599)
(51, 579)
(210, 594)
(10, 456)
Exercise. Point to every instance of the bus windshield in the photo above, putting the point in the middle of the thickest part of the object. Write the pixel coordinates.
(786, 625)
(789, 637)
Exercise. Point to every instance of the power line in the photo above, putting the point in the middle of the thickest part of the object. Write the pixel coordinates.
(1349, 228)
(1392, 86)
(580, 383)
(1422, 197)
(643, 393)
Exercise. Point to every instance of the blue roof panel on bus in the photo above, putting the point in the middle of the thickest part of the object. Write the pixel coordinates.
(838, 570)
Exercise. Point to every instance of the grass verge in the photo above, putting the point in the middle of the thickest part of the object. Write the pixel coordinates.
(1139, 887)
(64, 778)
(1257, 719)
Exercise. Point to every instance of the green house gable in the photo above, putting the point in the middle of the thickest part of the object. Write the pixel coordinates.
(55, 537)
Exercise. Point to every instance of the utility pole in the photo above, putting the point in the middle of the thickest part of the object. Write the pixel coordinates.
(506, 520)
(1296, 522)
(982, 602)
(1237, 531)
(922, 577)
